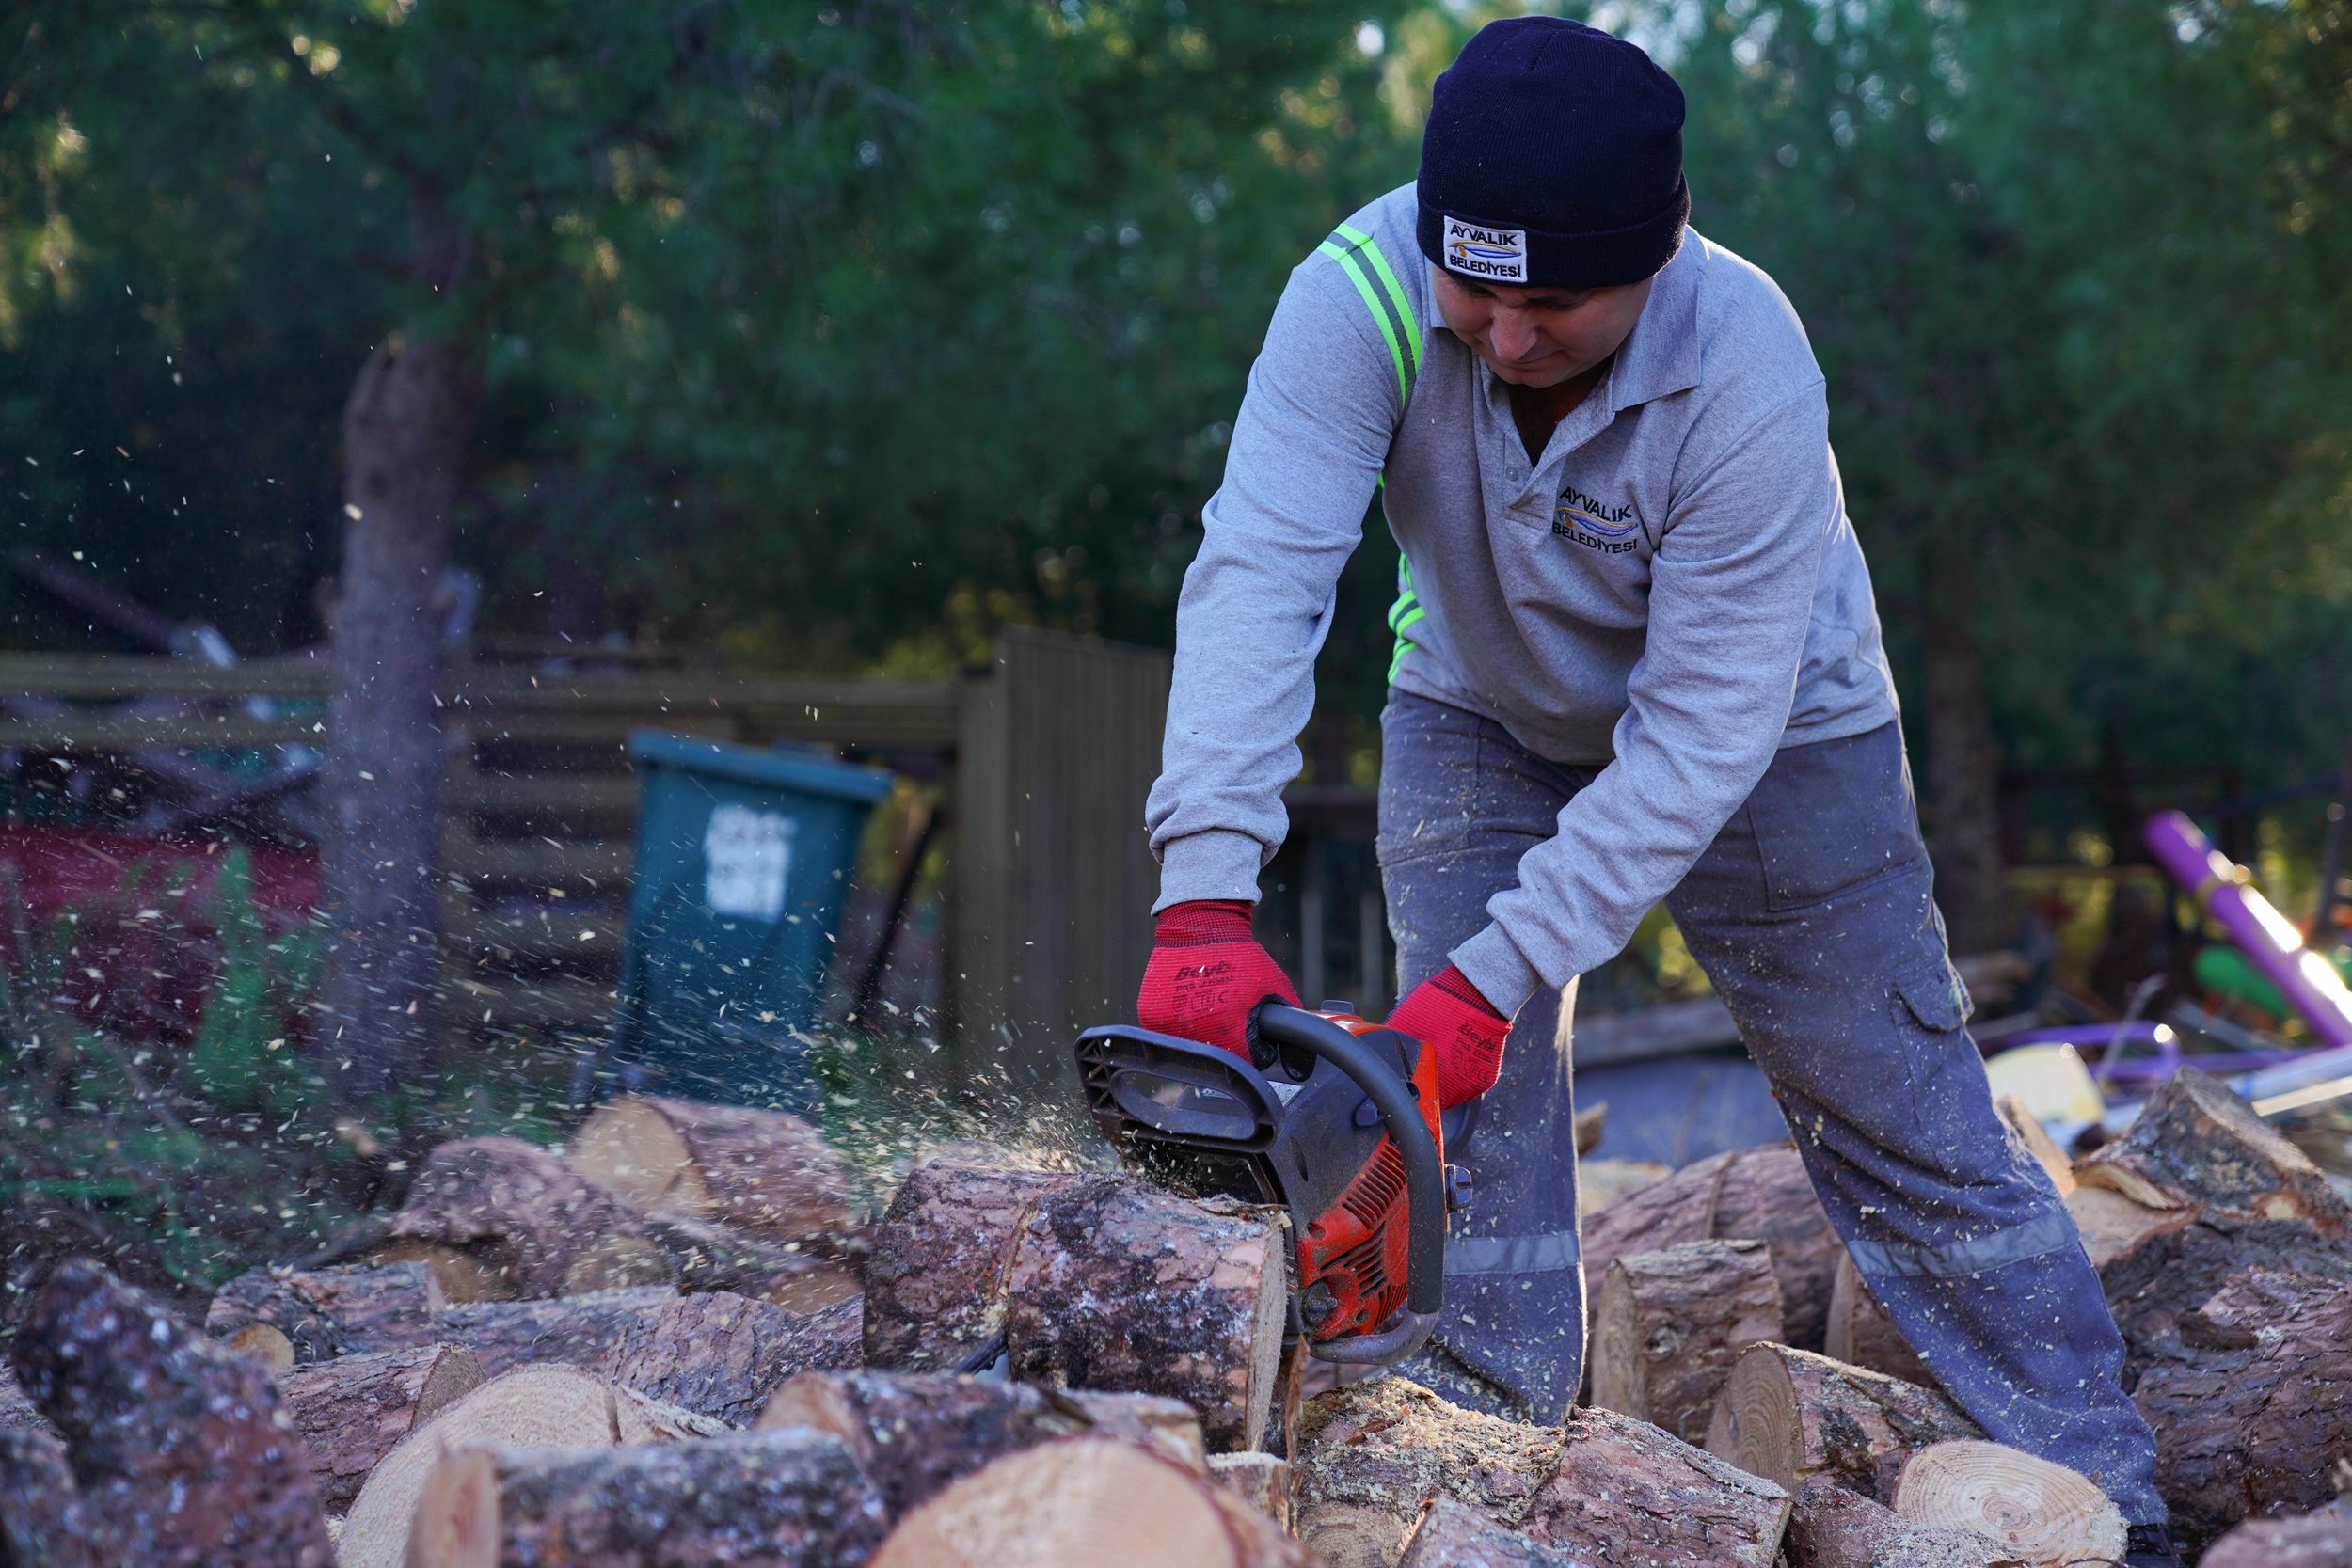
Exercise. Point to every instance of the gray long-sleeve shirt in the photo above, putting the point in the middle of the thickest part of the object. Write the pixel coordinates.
(1672, 590)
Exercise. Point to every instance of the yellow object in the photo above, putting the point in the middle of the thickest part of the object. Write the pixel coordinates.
(2051, 1080)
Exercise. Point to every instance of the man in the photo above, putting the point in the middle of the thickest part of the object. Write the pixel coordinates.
(1638, 658)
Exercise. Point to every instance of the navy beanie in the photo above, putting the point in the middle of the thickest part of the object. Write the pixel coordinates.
(1552, 158)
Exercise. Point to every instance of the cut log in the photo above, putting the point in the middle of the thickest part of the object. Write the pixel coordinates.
(2037, 1142)
(548, 1408)
(1627, 1492)
(354, 1410)
(1862, 1335)
(718, 1355)
(41, 1510)
(1668, 1325)
(1602, 1183)
(617, 1263)
(1263, 1482)
(918, 1433)
(706, 1256)
(1372, 1455)
(463, 1277)
(1677, 1209)
(2112, 1225)
(1087, 1502)
(519, 1210)
(774, 1499)
(177, 1443)
(1766, 1197)
(935, 1285)
(762, 1172)
(1833, 1528)
(323, 1313)
(2253, 1408)
(1452, 1536)
(2322, 1540)
(1590, 1123)
(1120, 1287)
(1788, 1415)
(2197, 1143)
(2047, 1513)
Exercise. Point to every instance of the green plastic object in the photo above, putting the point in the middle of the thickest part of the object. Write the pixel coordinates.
(2223, 969)
(744, 856)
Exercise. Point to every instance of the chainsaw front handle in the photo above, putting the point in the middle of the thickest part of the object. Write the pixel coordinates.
(1425, 1178)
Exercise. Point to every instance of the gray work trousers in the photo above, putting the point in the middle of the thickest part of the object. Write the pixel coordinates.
(1813, 916)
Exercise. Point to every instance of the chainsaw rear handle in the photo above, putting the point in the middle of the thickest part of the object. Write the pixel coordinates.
(1424, 1179)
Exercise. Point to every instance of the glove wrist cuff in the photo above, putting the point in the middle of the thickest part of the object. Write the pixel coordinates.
(1202, 920)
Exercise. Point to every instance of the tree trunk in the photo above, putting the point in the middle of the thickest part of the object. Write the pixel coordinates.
(935, 1283)
(1788, 1415)
(1767, 1197)
(1452, 1536)
(2322, 1540)
(517, 1210)
(536, 1407)
(1964, 760)
(354, 1410)
(1087, 1502)
(406, 426)
(1263, 1482)
(1860, 1333)
(2044, 1513)
(1120, 1287)
(178, 1451)
(1626, 1491)
(1670, 1324)
(773, 1499)
(1833, 1528)
(1373, 1455)
(2251, 1411)
(918, 1432)
(323, 1313)
(761, 1172)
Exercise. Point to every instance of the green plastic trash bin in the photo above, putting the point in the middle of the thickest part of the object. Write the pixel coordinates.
(742, 859)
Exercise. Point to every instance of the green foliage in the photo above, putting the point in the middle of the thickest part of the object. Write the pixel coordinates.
(240, 1059)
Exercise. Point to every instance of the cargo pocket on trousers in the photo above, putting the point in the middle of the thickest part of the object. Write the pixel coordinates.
(1934, 996)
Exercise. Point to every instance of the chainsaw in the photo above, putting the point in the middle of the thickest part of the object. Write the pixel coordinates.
(1337, 1122)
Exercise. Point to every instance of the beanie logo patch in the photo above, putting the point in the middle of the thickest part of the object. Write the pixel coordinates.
(1498, 255)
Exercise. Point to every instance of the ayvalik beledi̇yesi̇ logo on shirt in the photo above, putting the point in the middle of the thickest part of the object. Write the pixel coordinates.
(1595, 524)
(1498, 254)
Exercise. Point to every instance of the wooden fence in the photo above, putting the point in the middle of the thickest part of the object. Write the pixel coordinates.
(1040, 761)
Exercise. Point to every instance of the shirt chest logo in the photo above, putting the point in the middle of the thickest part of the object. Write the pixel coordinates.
(1497, 253)
(1609, 527)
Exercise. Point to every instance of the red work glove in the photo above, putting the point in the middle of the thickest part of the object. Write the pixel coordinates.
(1446, 1013)
(1207, 974)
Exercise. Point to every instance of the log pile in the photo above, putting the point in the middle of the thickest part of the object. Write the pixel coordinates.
(758, 1378)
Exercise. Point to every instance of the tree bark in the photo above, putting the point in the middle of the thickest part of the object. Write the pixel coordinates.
(764, 1173)
(1452, 1536)
(1788, 1415)
(1766, 1197)
(935, 1284)
(16, 1410)
(1372, 1455)
(773, 1499)
(1626, 1491)
(1668, 1213)
(352, 1411)
(1833, 1528)
(1964, 760)
(2044, 1513)
(1668, 1325)
(705, 1257)
(40, 1508)
(1087, 1502)
(918, 1432)
(2322, 1540)
(178, 1451)
(1860, 1333)
(407, 425)
(2253, 1406)
(1118, 1286)
(2198, 1145)
(520, 1210)
(328, 1312)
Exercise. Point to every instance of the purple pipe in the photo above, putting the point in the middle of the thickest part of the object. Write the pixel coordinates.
(2274, 946)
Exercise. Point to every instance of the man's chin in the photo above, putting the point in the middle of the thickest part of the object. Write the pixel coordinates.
(1543, 372)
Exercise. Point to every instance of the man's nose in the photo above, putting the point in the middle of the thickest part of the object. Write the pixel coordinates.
(1514, 336)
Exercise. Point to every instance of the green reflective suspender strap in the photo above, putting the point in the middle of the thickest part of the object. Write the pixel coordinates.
(1392, 313)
